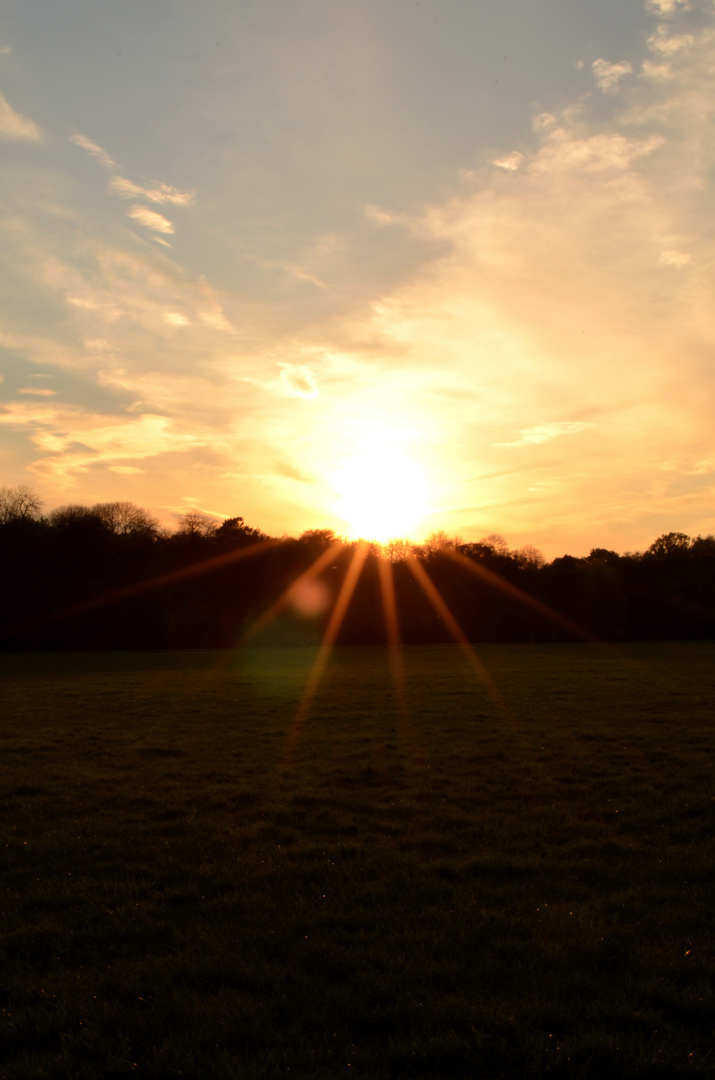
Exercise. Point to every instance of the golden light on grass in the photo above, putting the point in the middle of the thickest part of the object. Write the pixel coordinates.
(308, 585)
(391, 617)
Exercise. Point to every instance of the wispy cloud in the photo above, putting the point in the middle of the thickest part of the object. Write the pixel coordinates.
(151, 219)
(302, 274)
(284, 468)
(36, 391)
(157, 193)
(381, 216)
(71, 441)
(94, 151)
(540, 433)
(294, 270)
(15, 126)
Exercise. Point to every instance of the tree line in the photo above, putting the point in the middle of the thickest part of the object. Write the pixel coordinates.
(109, 576)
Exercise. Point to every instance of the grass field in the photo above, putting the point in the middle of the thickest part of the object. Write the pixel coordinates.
(505, 873)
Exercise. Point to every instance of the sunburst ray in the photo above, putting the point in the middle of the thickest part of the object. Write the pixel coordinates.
(392, 628)
(127, 592)
(438, 603)
(293, 590)
(331, 632)
(523, 598)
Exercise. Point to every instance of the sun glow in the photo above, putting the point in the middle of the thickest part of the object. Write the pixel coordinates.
(383, 495)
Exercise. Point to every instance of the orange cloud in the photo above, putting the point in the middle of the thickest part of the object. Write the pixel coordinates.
(94, 151)
(158, 193)
(151, 219)
(15, 126)
(298, 381)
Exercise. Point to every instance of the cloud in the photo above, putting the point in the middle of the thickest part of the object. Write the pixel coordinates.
(542, 121)
(545, 432)
(216, 319)
(115, 297)
(573, 279)
(5, 49)
(298, 381)
(94, 303)
(681, 463)
(290, 472)
(608, 75)
(72, 441)
(380, 216)
(37, 392)
(656, 71)
(15, 126)
(668, 44)
(301, 274)
(510, 162)
(567, 149)
(677, 259)
(94, 151)
(150, 219)
(667, 8)
(158, 193)
(579, 285)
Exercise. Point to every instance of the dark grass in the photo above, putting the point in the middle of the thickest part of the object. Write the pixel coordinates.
(457, 888)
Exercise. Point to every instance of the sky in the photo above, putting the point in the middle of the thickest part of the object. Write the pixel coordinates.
(380, 266)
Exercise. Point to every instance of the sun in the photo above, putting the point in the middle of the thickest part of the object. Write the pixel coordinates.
(383, 494)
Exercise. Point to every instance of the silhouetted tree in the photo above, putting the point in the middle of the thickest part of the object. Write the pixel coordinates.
(233, 532)
(19, 502)
(109, 576)
(197, 523)
(703, 547)
(439, 543)
(529, 557)
(601, 608)
(318, 539)
(398, 550)
(496, 542)
(611, 558)
(126, 519)
(669, 544)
